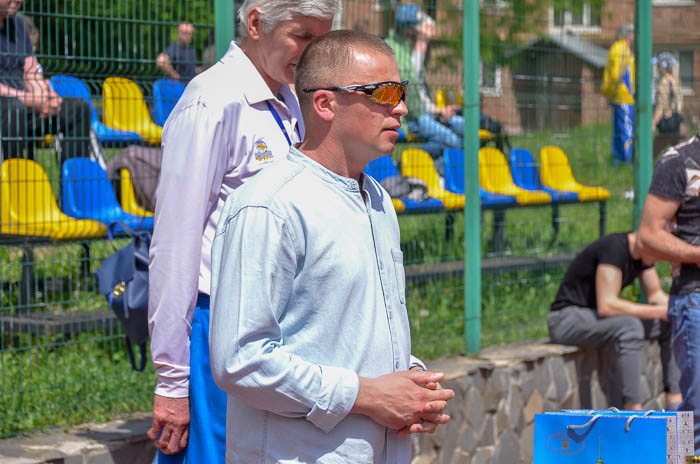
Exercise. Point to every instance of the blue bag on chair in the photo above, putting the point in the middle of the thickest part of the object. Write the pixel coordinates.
(123, 279)
(612, 437)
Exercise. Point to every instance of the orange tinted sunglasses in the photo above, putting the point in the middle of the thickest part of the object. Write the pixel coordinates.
(385, 93)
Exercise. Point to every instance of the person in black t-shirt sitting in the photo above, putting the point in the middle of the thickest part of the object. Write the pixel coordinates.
(588, 312)
(179, 61)
(28, 105)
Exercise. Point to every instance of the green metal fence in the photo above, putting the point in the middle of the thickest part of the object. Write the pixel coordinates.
(479, 271)
(62, 357)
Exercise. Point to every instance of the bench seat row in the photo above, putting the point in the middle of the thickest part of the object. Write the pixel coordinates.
(88, 201)
(501, 183)
(125, 114)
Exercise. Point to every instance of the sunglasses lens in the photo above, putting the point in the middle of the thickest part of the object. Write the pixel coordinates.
(389, 94)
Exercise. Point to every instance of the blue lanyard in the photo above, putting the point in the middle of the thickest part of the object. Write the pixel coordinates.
(279, 122)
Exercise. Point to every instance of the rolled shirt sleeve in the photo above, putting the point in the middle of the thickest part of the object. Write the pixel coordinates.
(195, 153)
(254, 263)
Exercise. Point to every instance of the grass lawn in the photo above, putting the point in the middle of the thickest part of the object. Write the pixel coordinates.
(514, 304)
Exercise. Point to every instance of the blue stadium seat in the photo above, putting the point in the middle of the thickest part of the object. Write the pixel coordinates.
(454, 180)
(166, 93)
(527, 176)
(384, 167)
(69, 86)
(88, 194)
(402, 136)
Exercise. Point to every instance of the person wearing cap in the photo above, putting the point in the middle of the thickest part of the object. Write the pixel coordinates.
(309, 332)
(439, 128)
(618, 88)
(667, 118)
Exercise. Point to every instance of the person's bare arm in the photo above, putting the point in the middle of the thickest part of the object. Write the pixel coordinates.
(403, 399)
(658, 112)
(38, 94)
(651, 287)
(28, 98)
(608, 283)
(163, 62)
(654, 238)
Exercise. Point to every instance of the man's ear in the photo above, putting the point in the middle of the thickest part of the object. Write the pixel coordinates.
(255, 24)
(324, 104)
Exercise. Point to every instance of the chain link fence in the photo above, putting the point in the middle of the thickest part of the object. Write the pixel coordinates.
(543, 116)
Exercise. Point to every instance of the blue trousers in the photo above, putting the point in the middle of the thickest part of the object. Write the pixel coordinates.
(684, 316)
(207, 441)
(623, 133)
(437, 136)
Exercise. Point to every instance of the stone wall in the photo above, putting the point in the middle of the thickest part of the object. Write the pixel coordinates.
(493, 413)
(499, 393)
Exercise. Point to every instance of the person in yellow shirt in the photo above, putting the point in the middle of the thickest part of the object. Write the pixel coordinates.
(618, 88)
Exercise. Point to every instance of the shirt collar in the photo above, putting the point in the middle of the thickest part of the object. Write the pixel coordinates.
(256, 89)
(324, 173)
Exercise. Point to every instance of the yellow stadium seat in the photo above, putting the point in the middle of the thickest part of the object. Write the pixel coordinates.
(29, 207)
(495, 177)
(441, 99)
(452, 96)
(418, 163)
(485, 135)
(129, 203)
(556, 173)
(398, 205)
(123, 108)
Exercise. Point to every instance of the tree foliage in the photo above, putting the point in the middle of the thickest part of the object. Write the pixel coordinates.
(102, 37)
(506, 24)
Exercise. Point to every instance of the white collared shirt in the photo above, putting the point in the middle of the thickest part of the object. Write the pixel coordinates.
(308, 293)
(220, 133)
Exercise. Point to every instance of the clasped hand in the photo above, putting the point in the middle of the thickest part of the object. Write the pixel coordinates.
(409, 401)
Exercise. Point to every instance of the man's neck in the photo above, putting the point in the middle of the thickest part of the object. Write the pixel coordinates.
(249, 47)
(332, 156)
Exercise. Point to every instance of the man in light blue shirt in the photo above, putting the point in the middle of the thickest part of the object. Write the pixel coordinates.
(309, 333)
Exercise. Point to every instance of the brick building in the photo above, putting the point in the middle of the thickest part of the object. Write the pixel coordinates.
(553, 81)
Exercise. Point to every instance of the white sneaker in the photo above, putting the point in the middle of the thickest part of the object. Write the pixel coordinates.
(629, 194)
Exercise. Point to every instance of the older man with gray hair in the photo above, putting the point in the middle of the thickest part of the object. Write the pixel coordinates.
(234, 119)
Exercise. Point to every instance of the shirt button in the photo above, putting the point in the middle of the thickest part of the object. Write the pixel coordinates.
(389, 314)
(397, 364)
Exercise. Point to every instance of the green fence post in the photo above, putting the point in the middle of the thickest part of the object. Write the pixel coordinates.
(472, 206)
(642, 107)
(223, 25)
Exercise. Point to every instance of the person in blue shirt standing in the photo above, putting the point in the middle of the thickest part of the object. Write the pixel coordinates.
(179, 60)
(309, 331)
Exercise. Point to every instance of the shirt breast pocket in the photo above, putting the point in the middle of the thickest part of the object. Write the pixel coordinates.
(397, 257)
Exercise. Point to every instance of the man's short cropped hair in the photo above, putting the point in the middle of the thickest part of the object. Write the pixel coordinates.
(274, 11)
(329, 58)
